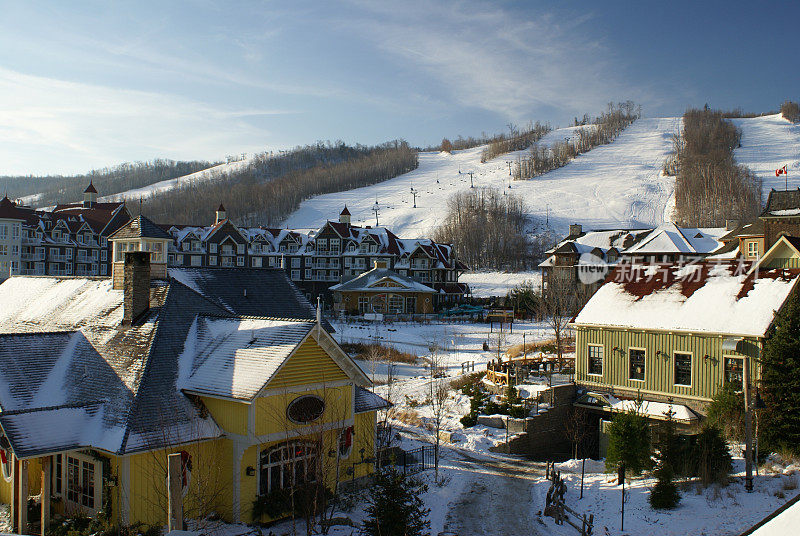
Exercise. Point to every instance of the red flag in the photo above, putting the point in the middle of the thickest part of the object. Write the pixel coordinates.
(781, 171)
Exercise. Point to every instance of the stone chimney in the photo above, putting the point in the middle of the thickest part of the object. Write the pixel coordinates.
(730, 225)
(575, 229)
(136, 286)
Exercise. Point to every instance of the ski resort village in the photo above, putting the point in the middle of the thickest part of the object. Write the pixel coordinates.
(583, 321)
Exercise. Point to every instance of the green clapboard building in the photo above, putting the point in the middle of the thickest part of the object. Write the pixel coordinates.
(671, 335)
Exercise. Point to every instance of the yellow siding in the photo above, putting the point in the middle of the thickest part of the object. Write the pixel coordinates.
(34, 482)
(210, 488)
(310, 364)
(230, 416)
(707, 373)
(270, 411)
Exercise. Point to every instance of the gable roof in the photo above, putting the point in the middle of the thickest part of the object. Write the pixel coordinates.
(90, 189)
(671, 239)
(706, 297)
(236, 357)
(368, 280)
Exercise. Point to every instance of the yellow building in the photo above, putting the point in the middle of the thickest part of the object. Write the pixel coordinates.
(231, 368)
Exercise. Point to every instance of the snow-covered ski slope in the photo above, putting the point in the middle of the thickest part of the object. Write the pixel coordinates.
(768, 143)
(215, 172)
(616, 185)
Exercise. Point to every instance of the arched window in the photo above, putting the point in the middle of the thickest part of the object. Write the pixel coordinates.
(286, 465)
(7, 463)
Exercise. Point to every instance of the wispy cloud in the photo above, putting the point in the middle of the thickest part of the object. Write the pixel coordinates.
(488, 57)
(96, 125)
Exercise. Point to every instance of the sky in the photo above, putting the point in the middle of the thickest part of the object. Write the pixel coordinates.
(89, 84)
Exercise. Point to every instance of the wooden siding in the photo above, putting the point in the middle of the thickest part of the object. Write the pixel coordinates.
(270, 411)
(211, 477)
(707, 373)
(230, 416)
(309, 365)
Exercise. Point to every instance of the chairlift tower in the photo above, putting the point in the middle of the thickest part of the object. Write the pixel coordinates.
(376, 208)
(471, 184)
(414, 193)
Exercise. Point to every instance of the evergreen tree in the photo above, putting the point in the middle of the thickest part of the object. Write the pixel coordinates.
(780, 380)
(710, 457)
(395, 507)
(629, 443)
(668, 453)
(726, 411)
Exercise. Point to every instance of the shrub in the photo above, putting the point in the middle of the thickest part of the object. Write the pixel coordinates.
(726, 412)
(395, 507)
(710, 458)
(791, 111)
(629, 443)
(446, 146)
(375, 351)
(664, 495)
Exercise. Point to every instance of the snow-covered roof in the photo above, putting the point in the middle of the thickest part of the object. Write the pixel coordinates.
(671, 239)
(65, 356)
(368, 281)
(655, 410)
(235, 357)
(366, 400)
(709, 297)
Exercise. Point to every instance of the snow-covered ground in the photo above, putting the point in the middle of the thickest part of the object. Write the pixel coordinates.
(614, 185)
(497, 284)
(768, 143)
(215, 172)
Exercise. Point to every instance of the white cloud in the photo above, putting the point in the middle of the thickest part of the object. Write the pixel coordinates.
(49, 125)
(489, 58)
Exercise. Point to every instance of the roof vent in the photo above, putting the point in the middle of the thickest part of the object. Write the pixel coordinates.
(699, 235)
(134, 224)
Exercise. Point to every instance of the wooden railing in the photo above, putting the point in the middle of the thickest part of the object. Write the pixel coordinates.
(556, 508)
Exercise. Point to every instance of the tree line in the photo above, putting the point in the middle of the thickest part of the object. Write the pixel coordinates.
(57, 189)
(487, 228)
(267, 192)
(592, 133)
(710, 186)
(516, 140)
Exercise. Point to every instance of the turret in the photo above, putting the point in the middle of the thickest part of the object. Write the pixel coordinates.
(221, 214)
(89, 196)
(344, 216)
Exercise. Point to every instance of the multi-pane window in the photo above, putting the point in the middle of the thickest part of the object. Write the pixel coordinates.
(81, 482)
(295, 275)
(752, 249)
(734, 372)
(287, 465)
(364, 305)
(595, 353)
(3, 231)
(683, 368)
(395, 304)
(636, 358)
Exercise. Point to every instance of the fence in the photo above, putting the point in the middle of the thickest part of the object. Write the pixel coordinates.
(556, 508)
(408, 461)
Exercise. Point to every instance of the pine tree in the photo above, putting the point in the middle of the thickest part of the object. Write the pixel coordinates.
(710, 457)
(780, 380)
(629, 443)
(665, 494)
(395, 507)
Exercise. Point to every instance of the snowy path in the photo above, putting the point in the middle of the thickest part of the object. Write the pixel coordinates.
(495, 497)
(619, 184)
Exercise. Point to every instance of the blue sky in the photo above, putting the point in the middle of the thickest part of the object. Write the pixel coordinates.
(91, 84)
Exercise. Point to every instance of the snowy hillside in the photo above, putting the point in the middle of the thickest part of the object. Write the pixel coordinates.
(615, 185)
(215, 172)
(768, 143)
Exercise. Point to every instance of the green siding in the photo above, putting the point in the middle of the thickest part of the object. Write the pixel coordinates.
(707, 374)
(782, 263)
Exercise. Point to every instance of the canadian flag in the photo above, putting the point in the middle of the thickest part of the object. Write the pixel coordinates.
(781, 171)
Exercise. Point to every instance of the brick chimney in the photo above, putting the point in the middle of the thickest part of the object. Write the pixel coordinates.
(136, 286)
(575, 229)
(730, 225)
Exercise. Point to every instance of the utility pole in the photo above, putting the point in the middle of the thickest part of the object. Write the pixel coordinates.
(414, 193)
(376, 208)
(748, 427)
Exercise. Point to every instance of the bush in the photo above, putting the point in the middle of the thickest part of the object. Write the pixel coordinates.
(629, 443)
(395, 507)
(710, 458)
(80, 525)
(791, 111)
(664, 495)
(726, 412)
(447, 146)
